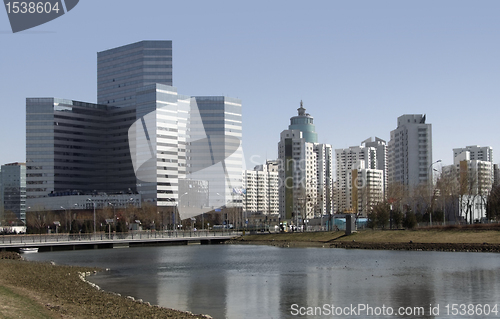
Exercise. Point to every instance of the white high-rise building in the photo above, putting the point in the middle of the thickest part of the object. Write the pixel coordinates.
(475, 181)
(410, 151)
(474, 175)
(354, 165)
(324, 177)
(297, 173)
(346, 160)
(365, 189)
(480, 153)
(476, 152)
(496, 175)
(261, 189)
(160, 137)
(305, 171)
(381, 162)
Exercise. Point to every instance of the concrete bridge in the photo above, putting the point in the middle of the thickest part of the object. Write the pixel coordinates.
(58, 242)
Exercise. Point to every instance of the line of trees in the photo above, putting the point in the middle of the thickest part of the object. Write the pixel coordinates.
(82, 221)
(149, 215)
(493, 204)
(454, 197)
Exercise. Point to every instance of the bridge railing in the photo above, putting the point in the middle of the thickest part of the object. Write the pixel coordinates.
(103, 236)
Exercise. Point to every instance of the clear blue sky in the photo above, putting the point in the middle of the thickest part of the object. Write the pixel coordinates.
(357, 65)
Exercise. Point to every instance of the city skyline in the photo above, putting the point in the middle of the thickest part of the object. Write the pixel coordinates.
(357, 68)
(142, 138)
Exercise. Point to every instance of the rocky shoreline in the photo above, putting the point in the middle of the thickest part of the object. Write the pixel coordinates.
(65, 292)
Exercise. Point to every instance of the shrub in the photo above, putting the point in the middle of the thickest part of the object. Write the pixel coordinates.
(410, 221)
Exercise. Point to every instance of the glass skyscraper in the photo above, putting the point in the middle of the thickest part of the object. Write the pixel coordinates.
(123, 70)
(12, 193)
(74, 146)
(142, 136)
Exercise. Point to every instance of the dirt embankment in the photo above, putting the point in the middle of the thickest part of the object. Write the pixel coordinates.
(420, 246)
(485, 247)
(466, 239)
(43, 290)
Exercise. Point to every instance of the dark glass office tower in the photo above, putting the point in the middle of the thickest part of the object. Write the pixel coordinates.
(136, 138)
(123, 70)
(12, 193)
(77, 146)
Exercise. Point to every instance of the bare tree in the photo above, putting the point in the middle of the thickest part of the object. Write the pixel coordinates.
(468, 190)
(148, 215)
(449, 190)
(34, 222)
(397, 194)
(9, 218)
(40, 221)
(493, 207)
(421, 198)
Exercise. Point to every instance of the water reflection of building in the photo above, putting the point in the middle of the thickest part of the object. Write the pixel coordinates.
(193, 280)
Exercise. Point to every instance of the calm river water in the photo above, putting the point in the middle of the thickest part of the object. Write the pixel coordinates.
(231, 281)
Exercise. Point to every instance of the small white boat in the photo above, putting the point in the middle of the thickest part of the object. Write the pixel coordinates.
(28, 250)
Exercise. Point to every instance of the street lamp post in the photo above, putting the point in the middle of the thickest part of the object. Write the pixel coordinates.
(161, 225)
(219, 199)
(114, 218)
(431, 189)
(93, 202)
(180, 200)
(390, 216)
(66, 213)
(71, 218)
(56, 223)
(114, 212)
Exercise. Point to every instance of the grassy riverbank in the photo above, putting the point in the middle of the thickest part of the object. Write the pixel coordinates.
(42, 290)
(482, 238)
